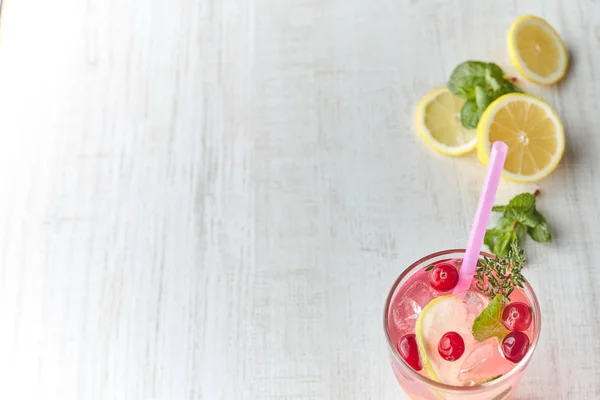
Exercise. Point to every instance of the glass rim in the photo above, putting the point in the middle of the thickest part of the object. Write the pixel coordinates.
(464, 389)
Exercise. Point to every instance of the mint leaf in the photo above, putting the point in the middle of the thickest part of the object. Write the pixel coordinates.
(465, 77)
(481, 98)
(540, 232)
(494, 71)
(489, 323)
(470, 114)
(523, 202)
(499, 240)
(505, 222)
(503, 244)
(493, 237)
(479, 83)
(494, 76)
(470, 74)
(498, 208)
(538, 217)
(520, 231)
(526, 218)
(508, 87)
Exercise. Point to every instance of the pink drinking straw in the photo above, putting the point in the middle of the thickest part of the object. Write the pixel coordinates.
(482, 216)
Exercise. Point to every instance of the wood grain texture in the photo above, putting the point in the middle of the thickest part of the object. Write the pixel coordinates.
(209, 199)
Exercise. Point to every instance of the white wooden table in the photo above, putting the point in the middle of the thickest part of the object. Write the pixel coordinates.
(209, 199)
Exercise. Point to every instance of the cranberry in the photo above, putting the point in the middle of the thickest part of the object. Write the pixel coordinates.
(407, 347)
(443, 277)
(451, 346)
(515, 346)
(517, 317)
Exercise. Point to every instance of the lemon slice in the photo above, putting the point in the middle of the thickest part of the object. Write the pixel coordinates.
(438, 123)
(442, 315)
(536, 50)
(531, 129)
(480, 362)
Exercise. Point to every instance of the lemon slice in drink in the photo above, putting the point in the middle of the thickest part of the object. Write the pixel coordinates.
(536, 50)
(531, 129)
(438, 123)
(480, 361)
(441, 315)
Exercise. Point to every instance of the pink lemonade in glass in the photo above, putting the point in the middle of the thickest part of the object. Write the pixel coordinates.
(432, 347)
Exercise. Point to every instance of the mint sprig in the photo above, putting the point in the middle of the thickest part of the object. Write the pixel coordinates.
(519, 216)
(479, 83)
(489, 323)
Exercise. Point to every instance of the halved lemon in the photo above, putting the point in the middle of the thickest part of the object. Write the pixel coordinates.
(438, 123)
(531, 129)
(536, 50)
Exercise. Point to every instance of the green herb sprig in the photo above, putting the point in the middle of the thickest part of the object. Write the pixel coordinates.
(479, 83)
(519, 216)
(494, 276)
(489, 323)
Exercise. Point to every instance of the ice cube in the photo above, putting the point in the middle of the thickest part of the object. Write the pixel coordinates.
(411, 303)
(421, 292)
(479, 354)
(474, 304)
(483, 361)
(405, 313)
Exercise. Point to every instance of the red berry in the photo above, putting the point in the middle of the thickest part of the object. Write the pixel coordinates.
(443, 277)
(515, 346)
(451, 346)
(517, 317)
(407, 347)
